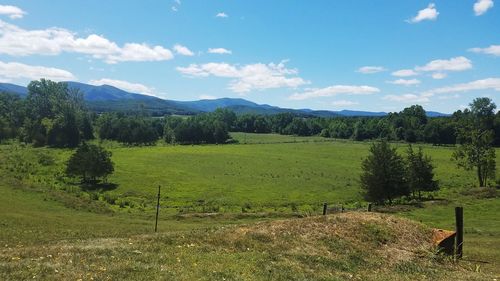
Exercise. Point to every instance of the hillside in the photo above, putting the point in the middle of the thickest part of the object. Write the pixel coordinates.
(349, 246)
(106, 98)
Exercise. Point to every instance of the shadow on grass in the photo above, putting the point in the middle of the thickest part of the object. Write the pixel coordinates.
(98, 186)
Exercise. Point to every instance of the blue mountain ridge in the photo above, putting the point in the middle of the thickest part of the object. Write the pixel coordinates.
(110, 98)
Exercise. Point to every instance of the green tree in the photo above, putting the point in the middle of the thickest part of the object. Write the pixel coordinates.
(476, 152)
(55, 115)
(11, 115)
(383, 176)
(475, 139)
(90, 163)
(420, 172)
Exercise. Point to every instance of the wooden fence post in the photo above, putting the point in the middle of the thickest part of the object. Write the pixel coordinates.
(459, 219)
(157, 209)
(325, 207)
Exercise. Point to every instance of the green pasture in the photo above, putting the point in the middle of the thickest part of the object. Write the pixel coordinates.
(261, 177)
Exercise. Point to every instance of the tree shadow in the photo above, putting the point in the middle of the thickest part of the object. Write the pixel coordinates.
(98, 186)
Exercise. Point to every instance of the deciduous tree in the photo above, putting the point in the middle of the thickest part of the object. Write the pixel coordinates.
(90, 163)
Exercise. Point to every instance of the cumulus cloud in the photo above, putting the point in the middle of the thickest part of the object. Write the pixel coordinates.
(333, 91)
(404, 73)
(16, 41)
(438, 68)
(405, 82)
(183, 50)
(491, 50)
(482, 84)
(14, 70)
(429, 13)
(248, 77)
(222, 15)
(220, 51)
(370, 69)
(439, 75)
(342, 103)
(407, 98)
(12, 12)
(481, 6)
(124, 85)
(453, 64)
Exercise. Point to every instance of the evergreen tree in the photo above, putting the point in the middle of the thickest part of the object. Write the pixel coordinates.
(383, 176)
(420, 172)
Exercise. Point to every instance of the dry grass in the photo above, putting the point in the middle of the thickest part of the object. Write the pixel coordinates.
(349, 246)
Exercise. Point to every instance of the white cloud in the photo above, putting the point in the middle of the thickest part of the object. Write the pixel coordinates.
(491, 50)
(449, 97)
(222, 15)
(124, 85)
(174, 9)
(248, 77)
(207, 97)
(483, 84)
(12, 11)
(405, 82)
(370, 69)
(342, 103)
(183, 50)
(439, 75)
(439, 68)
(140, 52)
(407, 98)
(429, 13)
(14, 70)
(453, 64)
(404, 73)
(16, 41)
(333, 91)
(481, 6)
(220, 51)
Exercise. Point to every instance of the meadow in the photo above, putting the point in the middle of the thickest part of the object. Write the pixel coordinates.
(260, 178)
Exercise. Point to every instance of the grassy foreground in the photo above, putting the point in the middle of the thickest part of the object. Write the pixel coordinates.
(352, 246)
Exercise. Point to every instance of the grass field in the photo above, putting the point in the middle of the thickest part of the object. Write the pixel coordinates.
(262, 178)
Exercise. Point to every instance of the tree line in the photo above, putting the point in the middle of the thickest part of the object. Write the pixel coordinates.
(56, 116)
(410, 125)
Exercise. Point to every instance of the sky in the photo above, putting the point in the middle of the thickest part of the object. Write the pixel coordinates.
(330, 55)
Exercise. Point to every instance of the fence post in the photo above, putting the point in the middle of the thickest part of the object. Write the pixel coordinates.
(325, 207)
(369, 207)
(157, 209)
(459, 219)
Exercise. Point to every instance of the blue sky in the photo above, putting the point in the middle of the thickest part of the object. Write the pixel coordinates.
(363, 55)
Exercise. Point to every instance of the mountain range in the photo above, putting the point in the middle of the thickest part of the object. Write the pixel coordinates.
(106, 98)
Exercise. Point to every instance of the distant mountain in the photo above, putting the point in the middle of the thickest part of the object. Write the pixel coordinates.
(436, 114)
(14, 89)
(107, 93)
(106, 98)
(211, 105)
